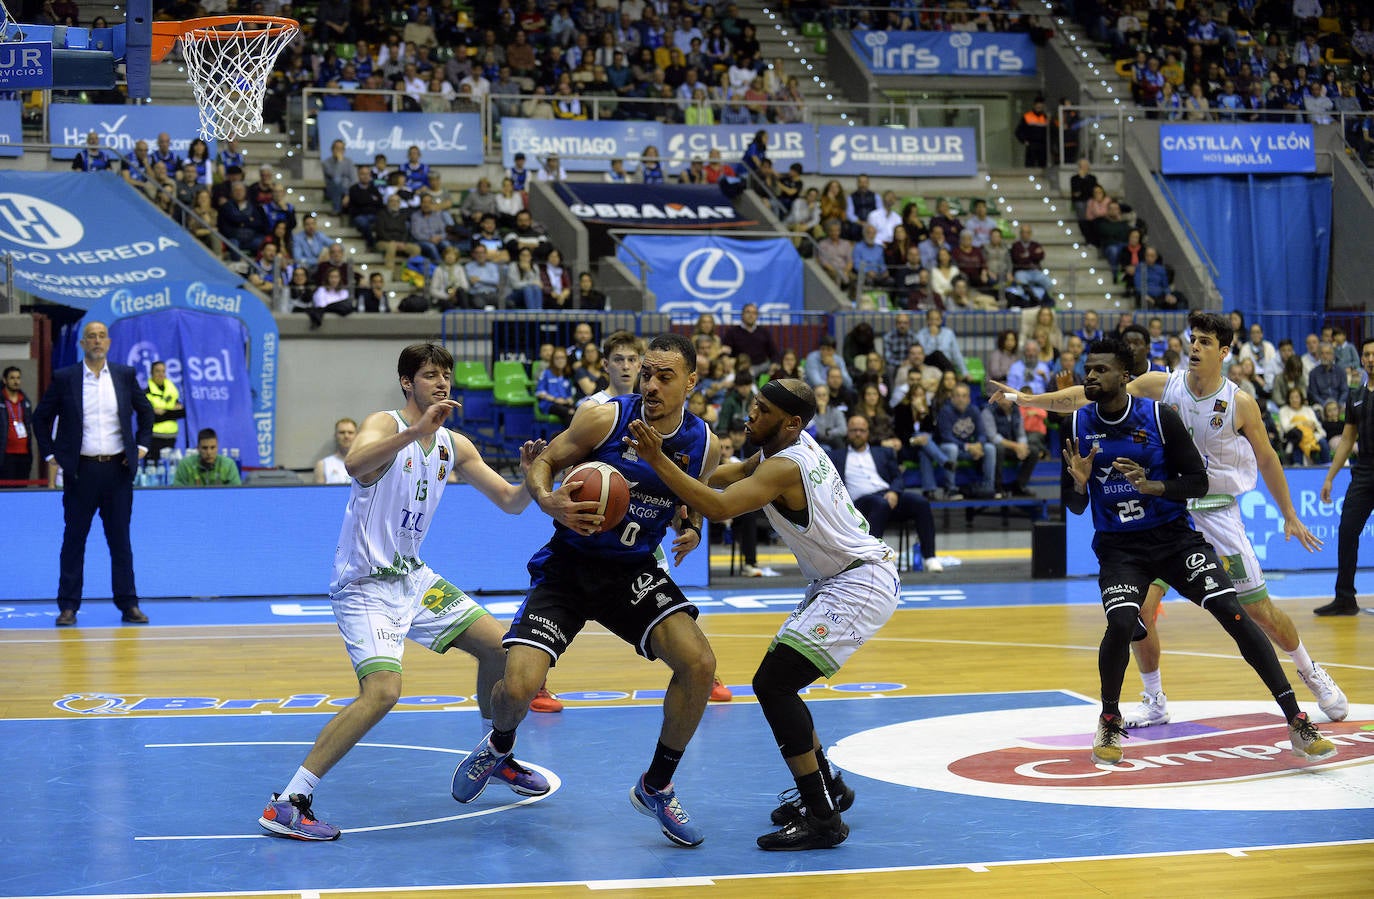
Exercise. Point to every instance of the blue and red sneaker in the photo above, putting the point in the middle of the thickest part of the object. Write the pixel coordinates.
(292, 817)
(672, 817)
(471, 776)
(521, 779)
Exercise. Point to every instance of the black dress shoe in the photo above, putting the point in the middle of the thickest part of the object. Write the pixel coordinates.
(134, 615)
(66, 618)
(1331, 608)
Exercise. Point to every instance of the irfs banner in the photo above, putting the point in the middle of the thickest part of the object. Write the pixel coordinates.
(946, 52)
(716, 274)
(444, 138)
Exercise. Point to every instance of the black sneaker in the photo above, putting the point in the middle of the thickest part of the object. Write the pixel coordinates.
(808, 832)
(793, 810)
(1337, 608)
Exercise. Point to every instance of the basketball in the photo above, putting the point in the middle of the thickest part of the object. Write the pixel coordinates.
(602, 484)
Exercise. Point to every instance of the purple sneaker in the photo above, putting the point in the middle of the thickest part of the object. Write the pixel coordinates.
(521, 779)
(471, 776)
(293, 818)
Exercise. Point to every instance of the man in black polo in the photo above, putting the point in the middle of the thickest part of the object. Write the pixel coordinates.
(1359, 496)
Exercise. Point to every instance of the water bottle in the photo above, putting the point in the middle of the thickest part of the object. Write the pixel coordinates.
(918, 562)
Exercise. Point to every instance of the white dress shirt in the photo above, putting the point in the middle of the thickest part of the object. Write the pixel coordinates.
(861, 475)
(100, 433)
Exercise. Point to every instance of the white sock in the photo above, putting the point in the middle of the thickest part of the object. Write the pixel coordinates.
(303, 782)
(1301, 658)
(1153, 681)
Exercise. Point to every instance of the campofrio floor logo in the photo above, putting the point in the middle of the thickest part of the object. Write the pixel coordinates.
(1231, 756)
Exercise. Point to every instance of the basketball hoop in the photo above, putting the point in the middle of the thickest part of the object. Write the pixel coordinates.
(227, 60)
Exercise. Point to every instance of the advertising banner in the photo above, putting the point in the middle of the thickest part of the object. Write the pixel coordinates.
(945, 52)
(1248, 149)
(25, 64)
(898, 152)
(580, 146)
(716, 274)
(11, 127)
(220, 346)
(77, 237)
(120, 127)
(1263, 526)
(651, 205)
(786, 144)
(444, 138)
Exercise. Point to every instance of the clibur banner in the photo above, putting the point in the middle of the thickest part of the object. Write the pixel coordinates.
(220, 345)
(444, 138)
(1240, 149)
(898, 152)
(11, 127)
(77, 237)
(579, 146)
(946, 52)
(786, 144)
(716, 274)
(120, 127)
(1263, 526)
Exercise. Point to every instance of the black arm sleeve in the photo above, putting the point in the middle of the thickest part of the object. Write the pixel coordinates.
(1075, 501)
(1181, 457)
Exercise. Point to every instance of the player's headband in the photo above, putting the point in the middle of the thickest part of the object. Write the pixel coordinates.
(788, 401)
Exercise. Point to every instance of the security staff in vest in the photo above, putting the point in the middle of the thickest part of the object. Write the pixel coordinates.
(167, 410)
(1034, 132)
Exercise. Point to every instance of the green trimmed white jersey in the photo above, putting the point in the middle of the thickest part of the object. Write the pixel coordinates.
(1211, 421)
(386, 521)
(835, 534)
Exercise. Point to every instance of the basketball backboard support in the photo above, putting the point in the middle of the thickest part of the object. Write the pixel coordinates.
(56, 57)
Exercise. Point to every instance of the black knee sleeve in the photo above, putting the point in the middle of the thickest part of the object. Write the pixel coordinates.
(777, 684)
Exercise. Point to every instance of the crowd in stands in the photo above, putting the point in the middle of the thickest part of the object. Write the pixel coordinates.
(931, 15)
(1249, 62)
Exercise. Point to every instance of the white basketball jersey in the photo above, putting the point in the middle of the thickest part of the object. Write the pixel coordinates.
(334, 470)
(386, 521)
(1211, 420)
(835, 533)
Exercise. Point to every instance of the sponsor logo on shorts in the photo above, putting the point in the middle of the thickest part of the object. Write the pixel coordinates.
(388, 636)
(546, 629)
(644, 583)
(1195, 560)
(820, 632)
(1210, 583)
(1234, 566)
(661, 600)
(440, 598)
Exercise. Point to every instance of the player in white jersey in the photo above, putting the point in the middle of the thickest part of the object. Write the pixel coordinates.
(1227, 427)
(853, 592)
(382, 592)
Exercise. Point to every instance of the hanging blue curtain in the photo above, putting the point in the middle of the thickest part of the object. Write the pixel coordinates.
(1270, 239)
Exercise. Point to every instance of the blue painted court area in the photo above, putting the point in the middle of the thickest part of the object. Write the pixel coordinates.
(936, 592)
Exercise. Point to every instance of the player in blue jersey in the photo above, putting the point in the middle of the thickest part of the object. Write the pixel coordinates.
(1133, 461)
(611, 577)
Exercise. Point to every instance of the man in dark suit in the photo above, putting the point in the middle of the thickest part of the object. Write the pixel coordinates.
(98, 449)
(873, 477)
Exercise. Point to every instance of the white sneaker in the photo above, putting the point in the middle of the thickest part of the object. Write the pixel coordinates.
(1153, 710)
(750, 571)
(765, 571)
(1330, 699)
(933, 564)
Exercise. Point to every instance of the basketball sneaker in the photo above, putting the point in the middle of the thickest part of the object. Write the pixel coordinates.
(673, 819)
(292, 817)
(1107, 742)
(1308, 743)
(521, 779)
(807, 832)
(544, 701)
(792, 808)
(471, 776)
(1330, 699)
(720, 692)
(1154, 709)
(750, 571)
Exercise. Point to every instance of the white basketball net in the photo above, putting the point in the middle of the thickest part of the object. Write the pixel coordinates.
(227, 66)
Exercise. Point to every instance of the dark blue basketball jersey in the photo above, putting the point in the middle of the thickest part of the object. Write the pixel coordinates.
(652, 504)
(1117, 506)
